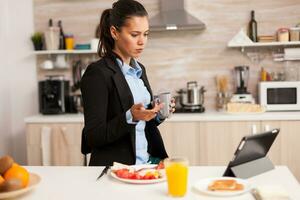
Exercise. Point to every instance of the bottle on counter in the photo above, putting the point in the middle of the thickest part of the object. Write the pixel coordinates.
(263, 74)
(62, 44)
(252, 29)
(50, 23)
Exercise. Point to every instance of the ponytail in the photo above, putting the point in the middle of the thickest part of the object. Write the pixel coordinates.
(116, 16)
(106, 43)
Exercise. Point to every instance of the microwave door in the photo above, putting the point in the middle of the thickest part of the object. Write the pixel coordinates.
(282, 98)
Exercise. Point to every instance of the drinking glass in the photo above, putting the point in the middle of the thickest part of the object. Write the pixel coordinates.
(177, 176)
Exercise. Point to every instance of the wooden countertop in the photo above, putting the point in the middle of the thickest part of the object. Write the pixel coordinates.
(177, 117)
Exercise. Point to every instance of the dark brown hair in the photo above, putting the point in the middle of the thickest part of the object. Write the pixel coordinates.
(116, 16)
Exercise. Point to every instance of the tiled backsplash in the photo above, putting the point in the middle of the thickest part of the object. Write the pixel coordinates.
(174, 58)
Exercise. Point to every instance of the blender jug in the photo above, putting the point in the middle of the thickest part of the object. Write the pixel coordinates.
(242, 77)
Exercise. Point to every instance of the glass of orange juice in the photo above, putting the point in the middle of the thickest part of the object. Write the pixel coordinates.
(177, 176)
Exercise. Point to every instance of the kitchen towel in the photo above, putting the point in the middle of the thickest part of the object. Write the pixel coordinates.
(46, 145)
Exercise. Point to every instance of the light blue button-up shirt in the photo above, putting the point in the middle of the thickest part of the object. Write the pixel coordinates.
(140, 95)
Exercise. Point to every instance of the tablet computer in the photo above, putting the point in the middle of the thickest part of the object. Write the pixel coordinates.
(252, 147)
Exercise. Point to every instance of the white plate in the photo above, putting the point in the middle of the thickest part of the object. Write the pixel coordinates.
(34, 180)
(134, 181)
(202, 185)
(133, 167)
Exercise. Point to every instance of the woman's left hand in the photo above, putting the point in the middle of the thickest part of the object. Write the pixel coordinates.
(172, 105)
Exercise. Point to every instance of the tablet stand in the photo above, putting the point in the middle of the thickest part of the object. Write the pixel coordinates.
(251, 168)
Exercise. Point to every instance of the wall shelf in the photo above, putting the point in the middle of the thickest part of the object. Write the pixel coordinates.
(265, 44)
(48, 52)
(241, 40)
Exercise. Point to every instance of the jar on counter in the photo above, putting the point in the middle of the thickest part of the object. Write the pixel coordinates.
(295, 34)
(69, 40)
(283, 35)
(222, 100)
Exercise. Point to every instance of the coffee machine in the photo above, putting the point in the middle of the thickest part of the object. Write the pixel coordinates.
(53, 95)
(241, 95)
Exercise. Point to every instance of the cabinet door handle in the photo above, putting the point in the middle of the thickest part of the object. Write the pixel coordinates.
(254, 129)
(267, 127)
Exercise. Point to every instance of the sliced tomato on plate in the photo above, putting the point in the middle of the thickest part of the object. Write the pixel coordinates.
(160, 165)
(123, 173)
(136, 176)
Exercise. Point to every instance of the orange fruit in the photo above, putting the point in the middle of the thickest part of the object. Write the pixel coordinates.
(1, 179)
(5, 163)
(17, 172)
(15, 164)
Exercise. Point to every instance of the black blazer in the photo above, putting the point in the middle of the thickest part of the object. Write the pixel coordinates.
(106, 98)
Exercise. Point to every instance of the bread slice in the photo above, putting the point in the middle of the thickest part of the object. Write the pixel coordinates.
(225, 185)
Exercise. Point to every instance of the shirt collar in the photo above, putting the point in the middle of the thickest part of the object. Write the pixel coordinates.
(133, 69)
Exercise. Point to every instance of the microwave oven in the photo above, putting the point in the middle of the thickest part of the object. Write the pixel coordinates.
(279, 95)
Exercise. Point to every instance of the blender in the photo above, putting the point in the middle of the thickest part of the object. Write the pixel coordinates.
(242, 95)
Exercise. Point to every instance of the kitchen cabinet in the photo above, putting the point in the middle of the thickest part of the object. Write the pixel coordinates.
(209, 140)
(214, 142)
(286, 148)
(182, 139)
(54, 144)
(205, 143)
(219, 140)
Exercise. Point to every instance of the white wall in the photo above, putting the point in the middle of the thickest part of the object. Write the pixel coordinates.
(18, 86)
(5, 130)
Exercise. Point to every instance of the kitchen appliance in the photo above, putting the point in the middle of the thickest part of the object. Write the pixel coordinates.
(53, 95)
(192, 97)
(173, 16)
(279, 95)
(78, 69)
(241, 95)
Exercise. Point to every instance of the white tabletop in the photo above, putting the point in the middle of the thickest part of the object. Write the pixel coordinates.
(80, 183)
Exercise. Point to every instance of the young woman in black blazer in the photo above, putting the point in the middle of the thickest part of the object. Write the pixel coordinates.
(112, 111)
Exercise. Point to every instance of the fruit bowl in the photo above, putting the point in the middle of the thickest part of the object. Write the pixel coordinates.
(34, 180)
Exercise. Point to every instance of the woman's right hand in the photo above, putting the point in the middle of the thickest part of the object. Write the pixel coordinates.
(139, 112)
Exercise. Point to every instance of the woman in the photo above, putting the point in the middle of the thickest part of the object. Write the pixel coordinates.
(120, 120)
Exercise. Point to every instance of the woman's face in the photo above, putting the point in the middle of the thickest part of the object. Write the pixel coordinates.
(131, 40)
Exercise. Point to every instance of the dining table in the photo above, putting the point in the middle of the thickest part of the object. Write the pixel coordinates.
(76, 182)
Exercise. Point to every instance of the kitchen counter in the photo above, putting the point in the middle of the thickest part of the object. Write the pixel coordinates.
(80, 183)
(178, 117)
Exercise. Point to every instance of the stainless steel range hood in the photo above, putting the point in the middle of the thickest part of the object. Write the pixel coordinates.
(172, 16)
